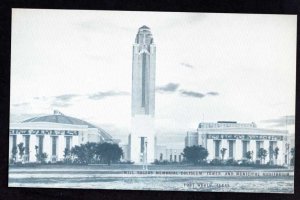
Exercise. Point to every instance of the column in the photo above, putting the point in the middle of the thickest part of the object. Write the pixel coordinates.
(10, 141)
(32, 153)
(61, 145)
(239, 150)
(210, 149)
(280, 158)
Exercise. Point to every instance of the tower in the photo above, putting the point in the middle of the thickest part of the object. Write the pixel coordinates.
(143, 98)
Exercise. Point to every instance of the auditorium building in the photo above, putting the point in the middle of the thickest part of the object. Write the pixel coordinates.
(52, 134)
(238, 139)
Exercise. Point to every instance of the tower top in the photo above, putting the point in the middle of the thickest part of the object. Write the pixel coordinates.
(144, 36)
(144, 27)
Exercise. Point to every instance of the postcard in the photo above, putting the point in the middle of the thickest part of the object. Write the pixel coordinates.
(168, 101)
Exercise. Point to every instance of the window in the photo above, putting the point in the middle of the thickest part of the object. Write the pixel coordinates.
(171, 157)
(179, 158)
(259, 144)
(230, 144)
(27, 139)
(175, 158)
(217, 148)
(54, 146)
(143, 78)
(41, 144)
(245, 148)
(142, 144)
(272, 145)
(14, 141)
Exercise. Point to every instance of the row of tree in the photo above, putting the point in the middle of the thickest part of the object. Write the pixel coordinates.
(93, 153)
(40, 157)
(198, 154)
(84, 154)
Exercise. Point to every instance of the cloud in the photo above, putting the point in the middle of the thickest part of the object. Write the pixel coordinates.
(60, 104)
(20, 104)
(281, 121)
(212, 93)
(170, 87)
(102, 95)
(43, 98)
(63, 100)
(187, 65)
(98, 24)
(66, 97)
(192, 94)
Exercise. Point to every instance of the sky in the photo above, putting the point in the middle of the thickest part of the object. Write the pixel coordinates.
(209, 67)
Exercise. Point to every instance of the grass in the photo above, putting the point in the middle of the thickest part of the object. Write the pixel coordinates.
(140, 167)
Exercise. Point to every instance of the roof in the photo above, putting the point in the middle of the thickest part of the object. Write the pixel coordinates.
(63, 119)
(144, 27)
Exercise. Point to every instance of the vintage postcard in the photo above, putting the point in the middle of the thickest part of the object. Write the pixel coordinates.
(172, 101)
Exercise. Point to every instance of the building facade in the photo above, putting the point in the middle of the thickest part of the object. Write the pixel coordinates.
(191, 139)
(240, 138)
(52, 134)
(141, 141)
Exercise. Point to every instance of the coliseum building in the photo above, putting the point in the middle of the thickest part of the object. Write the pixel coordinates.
(238, 139)
(52, 134)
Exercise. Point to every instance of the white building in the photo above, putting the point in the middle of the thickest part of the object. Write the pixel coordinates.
(52, 134)
(141, 140)
(239, 138)
(191, 139)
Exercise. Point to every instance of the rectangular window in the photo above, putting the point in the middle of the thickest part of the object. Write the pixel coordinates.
(230, 142)
(245, 148)
(171, 157)
(142, 144)
(217, 148)
(143, 78)
(271, 149)
(41, 144)
(259, 144)
(179, 158)
(14, 141)
(175, 158)
(27, 139)
(54, 146)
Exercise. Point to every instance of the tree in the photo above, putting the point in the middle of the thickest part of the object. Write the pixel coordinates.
(195, 154)
(249, 155)
(78, 152)
(67, 155)
(90, 151)
(41, 157)
(14, 152)
(21, 149)
(223, 151)
(262, 154)
(108, 152)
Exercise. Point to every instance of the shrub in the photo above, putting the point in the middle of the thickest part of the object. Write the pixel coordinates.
(216, 162)
(231, 162)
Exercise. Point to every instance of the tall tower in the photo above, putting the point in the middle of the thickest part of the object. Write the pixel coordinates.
(143, 98)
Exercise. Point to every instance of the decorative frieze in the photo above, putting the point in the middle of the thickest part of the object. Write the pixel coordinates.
(245, 137)
(43, 132)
